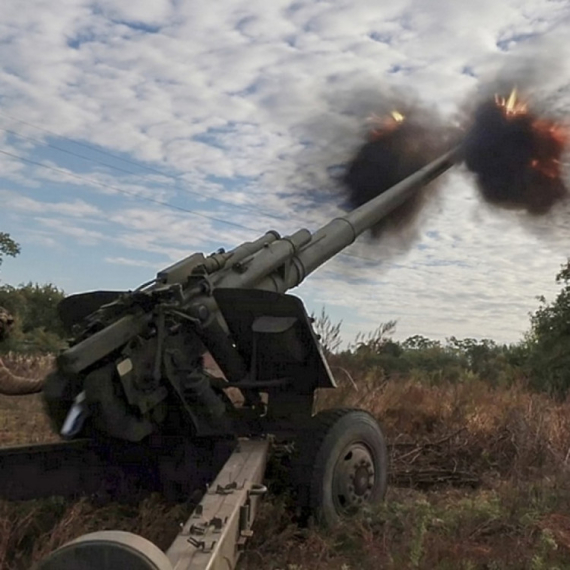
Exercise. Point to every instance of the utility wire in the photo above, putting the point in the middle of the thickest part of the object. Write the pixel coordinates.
(156, 201)
(130, 172)
(70, 152)
(86, 145)
(127, 192)
(139, 165)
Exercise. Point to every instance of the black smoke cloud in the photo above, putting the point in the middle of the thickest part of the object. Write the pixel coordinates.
(392, 154)
(516, 159)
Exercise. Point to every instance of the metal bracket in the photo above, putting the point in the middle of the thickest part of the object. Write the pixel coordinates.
(218, 523)
(227, 489)
(199, 528)
(202, 528)
(214, 536)
(201, 544)
(257, 489)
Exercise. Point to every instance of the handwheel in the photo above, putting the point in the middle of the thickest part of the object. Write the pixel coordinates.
(107, 550)
(341, 464)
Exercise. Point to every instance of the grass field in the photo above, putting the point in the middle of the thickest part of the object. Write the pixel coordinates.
(479, 481)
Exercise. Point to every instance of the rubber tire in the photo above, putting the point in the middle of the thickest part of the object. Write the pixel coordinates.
(321, 445)
(107, 550)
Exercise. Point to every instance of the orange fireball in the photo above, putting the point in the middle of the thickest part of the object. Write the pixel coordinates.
(516, 154)
(383, 125)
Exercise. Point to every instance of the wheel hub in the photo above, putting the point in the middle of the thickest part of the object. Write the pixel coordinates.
(362, 480)
(354, 477)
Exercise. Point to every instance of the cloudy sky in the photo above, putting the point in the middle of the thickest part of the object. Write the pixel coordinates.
(133, 134)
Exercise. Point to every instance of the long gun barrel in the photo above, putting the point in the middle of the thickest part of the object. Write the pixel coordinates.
(307, 252)
(269, 263)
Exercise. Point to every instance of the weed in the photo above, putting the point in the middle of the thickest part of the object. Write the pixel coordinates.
(477, 481)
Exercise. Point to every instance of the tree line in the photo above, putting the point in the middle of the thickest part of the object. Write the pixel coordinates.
(541, 358)
(37, 327)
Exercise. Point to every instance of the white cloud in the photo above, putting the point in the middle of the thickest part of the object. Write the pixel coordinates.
(131, 262)
(71, 230)
(243, 106)
(77, 208)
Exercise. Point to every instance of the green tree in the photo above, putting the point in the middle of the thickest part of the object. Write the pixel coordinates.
(8, 246)
(420, 342)
(37, 323)
(548, 341)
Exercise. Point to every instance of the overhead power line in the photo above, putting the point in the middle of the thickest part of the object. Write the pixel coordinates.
(127, 192)
(177, 178)
(139, 165)
(86, 145)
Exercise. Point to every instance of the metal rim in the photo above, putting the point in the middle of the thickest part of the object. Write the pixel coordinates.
(354, 477)
(107, 550)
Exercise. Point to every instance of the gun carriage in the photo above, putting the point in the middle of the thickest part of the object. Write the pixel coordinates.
(133, 378)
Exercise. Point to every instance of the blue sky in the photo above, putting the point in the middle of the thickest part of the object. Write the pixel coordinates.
(133, 134)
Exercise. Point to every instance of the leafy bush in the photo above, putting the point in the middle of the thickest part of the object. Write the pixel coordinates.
(548, 341)
(37, 325)
(430, 361)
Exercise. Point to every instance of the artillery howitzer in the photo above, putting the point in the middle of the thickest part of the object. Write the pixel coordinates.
(134, 373)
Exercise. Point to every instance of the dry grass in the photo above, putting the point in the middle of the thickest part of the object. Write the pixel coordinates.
(22, 419)
(24, 422)
(507, 433)
(480, 481)
(30, 530)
